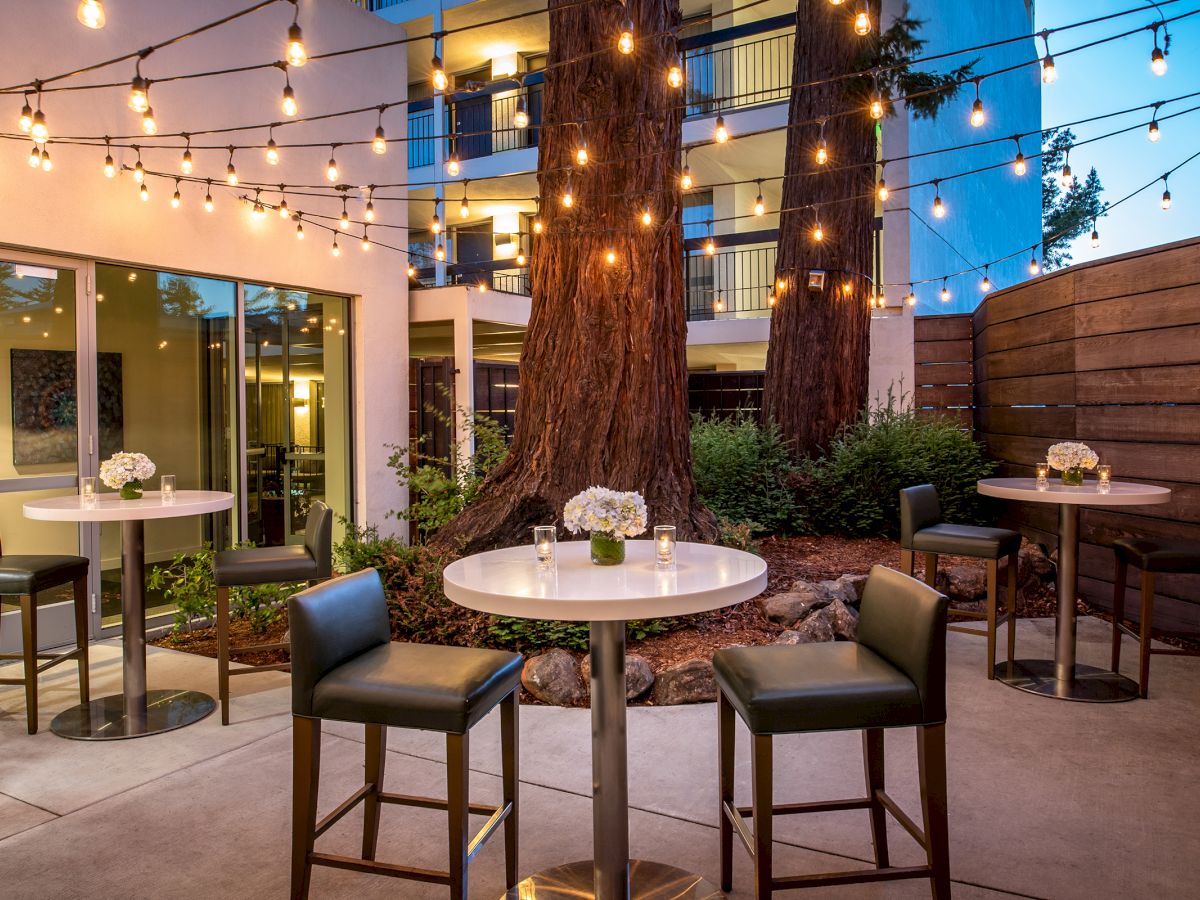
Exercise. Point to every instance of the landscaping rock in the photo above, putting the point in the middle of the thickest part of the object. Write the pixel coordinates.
(639, 677)
(1033, 565)
(963, 584)
(856, 582)
(816, 629)
(843, 619)
(796, 604)
(553, 677)
(688, 682)
(845, 589)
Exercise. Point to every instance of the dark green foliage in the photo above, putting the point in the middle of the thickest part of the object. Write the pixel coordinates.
(1066, 214)
(738, 535)
(742, 472)
(188, 583)
(854, 489)
(927, 91)
(527, 635)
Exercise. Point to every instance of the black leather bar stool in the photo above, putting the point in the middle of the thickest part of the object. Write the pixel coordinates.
(24, 577)
(346, 668)
(1151, 557)
(923, 531)
(894, 677)
(311, 561)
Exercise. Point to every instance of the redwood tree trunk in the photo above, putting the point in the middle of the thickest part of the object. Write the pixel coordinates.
(816, 378)
(603, 372)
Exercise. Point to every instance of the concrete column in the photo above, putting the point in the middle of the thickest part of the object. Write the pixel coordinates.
(464, 379)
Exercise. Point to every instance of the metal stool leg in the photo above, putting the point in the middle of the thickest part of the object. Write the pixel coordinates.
(873, 762)
(993, 579)
(1147, 625)
(726, 739)
(510, 768)
(223, 651)
(931, 761)
(81, 637)
(457, 775)
(1119, 579)
(29, 652)
(306, 776)
(1014, 562)
(376, 759)
(763, 813)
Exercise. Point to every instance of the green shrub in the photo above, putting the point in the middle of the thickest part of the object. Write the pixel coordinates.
(525, 635)
(738, 535)
(189, 584)
(743, 472)
(855, 488)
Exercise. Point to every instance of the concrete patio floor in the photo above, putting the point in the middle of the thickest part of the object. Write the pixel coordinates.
(1047, 798)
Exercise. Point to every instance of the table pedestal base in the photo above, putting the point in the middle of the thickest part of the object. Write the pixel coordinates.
(1090, 685)
(105, 719)
(647, 881)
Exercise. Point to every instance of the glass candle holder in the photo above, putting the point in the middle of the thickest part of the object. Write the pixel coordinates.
(166, 486)
(1104, 479)
(664, 546)
(87, 490)
(544, 537)
(1043, 476)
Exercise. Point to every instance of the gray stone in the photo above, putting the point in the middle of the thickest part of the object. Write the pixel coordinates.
(844, 589)
(842, 619)
(1033, 565)
(553, 677)
(816, 629)
(687, 682)
(639, 677)
(963, 584)
(857, 583)
(796, 604)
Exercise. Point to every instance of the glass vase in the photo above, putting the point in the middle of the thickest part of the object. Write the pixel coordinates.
(607, 549)
(131, 490)
(1073, 476)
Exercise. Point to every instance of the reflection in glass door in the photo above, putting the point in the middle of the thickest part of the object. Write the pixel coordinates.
(297, 410)
(166, 387)
(39, 428)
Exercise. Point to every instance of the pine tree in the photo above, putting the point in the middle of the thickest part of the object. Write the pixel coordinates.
(1067, 213)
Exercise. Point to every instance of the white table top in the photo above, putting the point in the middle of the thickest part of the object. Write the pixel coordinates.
(1122, 493)
(508, 582)
(111, 508)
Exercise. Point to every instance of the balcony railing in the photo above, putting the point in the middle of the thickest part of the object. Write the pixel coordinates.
(738, 75)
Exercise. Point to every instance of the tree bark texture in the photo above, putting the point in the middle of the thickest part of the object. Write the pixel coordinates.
(817, 358)
(603, 397)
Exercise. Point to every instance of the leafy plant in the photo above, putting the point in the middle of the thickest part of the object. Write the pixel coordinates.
(743, 472)
(536, 634)
(439, 488)
(854, 489)
(189, 584)
(738, 535)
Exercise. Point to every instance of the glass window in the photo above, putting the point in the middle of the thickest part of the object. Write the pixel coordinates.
(697, 214)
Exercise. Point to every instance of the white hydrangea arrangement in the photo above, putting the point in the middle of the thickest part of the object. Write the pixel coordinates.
(603, 511)
(1072, 455)
(125, 468)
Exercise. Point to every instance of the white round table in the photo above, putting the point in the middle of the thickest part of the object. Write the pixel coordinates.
(508, 582)
(135, 712)
(1061, 677)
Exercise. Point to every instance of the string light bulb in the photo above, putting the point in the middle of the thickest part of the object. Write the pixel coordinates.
(537, 225)
(435, 225)
(110, 168)
(771, 300)
(1158, 60)
(231, 175)
(1034, 268)
(369, 210)
(710, 246)
(977, 114)
(1049, 72)
(453, 166)
(1153, 133)
(379, 142)
(520, 114)
(719, 303)
(520, 260)
(47, 165)
(438, 74)
(760, 207)
(185, 162)
(464, 208)
(625, 41)
(781, 285)
(1166, 197)
(881, 190)
(876, 108)
(272, 152)
(90, 14)
(208, 200)
(284, 212)
(862, 21)
(647, 218)
(720, 132)
(818, 233)
(299, 229)
(258, 210)
(335, 249)
(911, 297)
(139, 91)
(39, 130)
(568, 197)
(26, 121)
(144, 193)
(294, 51)
(365, 243)
(1065, 178)
(939, 208)
(331, 167)
(945, 292)
(288, 104)
(986, 284)
(412, 271)
(685, 179)
(439, 253)
(139, 171)
(149, 126)
(344, 218)
(610, 256)
(581, 153)
(675, 75)
(175, 198)
(1019, 167)
(1095, 235)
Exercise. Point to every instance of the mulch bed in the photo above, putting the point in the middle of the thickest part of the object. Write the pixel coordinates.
(203, 641)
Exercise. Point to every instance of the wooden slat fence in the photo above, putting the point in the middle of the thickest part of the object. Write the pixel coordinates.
(1107, 353)
(943, 373)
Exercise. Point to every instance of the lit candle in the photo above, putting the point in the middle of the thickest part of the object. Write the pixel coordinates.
(664, 546)
(167, 488)
(87, 490)
(544, 537)
(1043, 476)
(1104, 474)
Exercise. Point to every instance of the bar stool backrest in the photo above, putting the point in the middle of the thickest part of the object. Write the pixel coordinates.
(318, 537)
(331, 623)
(904, 621)
(919, 508)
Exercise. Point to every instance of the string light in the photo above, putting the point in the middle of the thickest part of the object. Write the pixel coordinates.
(911, 297)
(1152, 133)
(520, 114)
(1019, 167)
(110, 168)
(412, 271)
(175, 198)
(144, 192)
(284, 212)
(139, 90)
(331, 167)
(1095, 235)
(149, 126)
(581, 152)
(876, 108)
(208, 200)
(781, 285)
(647, 218)
(139, 171)
(365, 243)
(977, 114)
(610, 257)
(568, 197)
(759, 206)
(1158, 60)
(771, 300)
(822, 156)
(287, 103)
(453, 166)
(939, 208)
(847, 287)
(39, 130)
(1166, 197)
(47, 165)
(625, 41)
(437, 71)
(258, 210)
(90, 14)
(185, 162)
(335, 249)
(675, 74)
(881, 188)
(520, 260)
(1065, 179)
(464, 208)
(1034, 268)
(435, 225)
(685, 178)
(710, 246)
(294, 51)
(945, 294)
(231, 176)
(439, 252)
(986, 284)
(272, 152)
(369, 211)
(379, 142)
(1049, 72)
(720, 132)
(862, 20)
(818, 233)
(26, 121)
